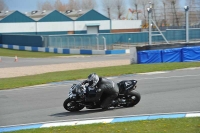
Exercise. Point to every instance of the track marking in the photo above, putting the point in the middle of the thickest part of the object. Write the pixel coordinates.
(112, 119)
(171, 77)
(151, 73)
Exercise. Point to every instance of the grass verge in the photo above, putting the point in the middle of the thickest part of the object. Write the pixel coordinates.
(180, 125)
(28, 54)
(8, 83)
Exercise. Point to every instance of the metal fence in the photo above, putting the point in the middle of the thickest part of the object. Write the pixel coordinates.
(170, 25)
(183, 25)
(76, 41)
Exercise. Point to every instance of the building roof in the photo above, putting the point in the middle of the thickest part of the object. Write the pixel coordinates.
(51, 16)
(92, 15)
(74, 14)
(85, 15)
(13, 17)
(4, 14)
(48, 16)
(37, 14)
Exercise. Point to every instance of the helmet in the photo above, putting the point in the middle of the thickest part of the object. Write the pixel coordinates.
(93, 79)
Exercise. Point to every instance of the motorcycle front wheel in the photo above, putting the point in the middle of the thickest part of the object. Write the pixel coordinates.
(133, 98)
(72, 106)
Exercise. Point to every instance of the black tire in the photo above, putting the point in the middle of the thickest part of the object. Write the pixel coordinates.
(133, 98)
(73, 107)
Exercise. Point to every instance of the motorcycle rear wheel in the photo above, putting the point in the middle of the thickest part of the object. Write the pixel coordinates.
(72, 106)
(133, 98)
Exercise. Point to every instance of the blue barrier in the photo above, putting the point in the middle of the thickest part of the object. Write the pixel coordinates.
(172, 55)
(191, 54)
(185, 54)
(149, 56)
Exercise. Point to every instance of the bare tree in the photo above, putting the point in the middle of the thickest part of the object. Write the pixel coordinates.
(156, 10)
(174, 11)
(88, 4)
(136, 8)
(144, 4)
(120, 8)
(108, 7)
(3, 5)
(136, 4)
(60, 6)
(193, 12)
(191, 3)
(45, 6)
(73, 5)
(164, 12)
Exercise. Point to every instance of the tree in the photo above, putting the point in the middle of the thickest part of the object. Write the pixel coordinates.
(73, 5)
(136, 4)
(144, 4)
(108, 7)
(174, 12)
(3, 5)
(155, 10)
(164, 11)
(45, 6)
(191, 3)
(193, 12)
(60, 6)
(120, 8)
(88, 4)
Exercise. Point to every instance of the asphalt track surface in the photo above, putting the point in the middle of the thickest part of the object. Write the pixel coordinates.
(9, 61)
(164, 92)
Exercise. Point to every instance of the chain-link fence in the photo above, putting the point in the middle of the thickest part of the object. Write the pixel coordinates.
(173, 25)
(76, 42)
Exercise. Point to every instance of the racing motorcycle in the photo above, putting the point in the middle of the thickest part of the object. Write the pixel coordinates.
(127, 97)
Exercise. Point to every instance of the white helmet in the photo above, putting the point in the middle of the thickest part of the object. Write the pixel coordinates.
(93, 79)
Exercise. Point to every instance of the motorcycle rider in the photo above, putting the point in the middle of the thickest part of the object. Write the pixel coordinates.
(102, 86)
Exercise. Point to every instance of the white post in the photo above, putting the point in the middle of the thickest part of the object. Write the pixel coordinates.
(81, 43)
(133, 55)
(97, 37)
(97, 43)
(74, 42)
(187, 22)
(104, 42)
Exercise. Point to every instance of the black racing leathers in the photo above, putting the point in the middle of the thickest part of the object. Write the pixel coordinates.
(108, 90)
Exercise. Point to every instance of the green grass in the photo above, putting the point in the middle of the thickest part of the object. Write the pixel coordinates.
(181, 125)
(28, 54)
(8, 83)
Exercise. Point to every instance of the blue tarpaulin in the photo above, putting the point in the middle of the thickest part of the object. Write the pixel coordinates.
(172, 55)
(191, 54)
(149, 56)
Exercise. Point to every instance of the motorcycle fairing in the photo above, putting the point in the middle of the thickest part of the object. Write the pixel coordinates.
(127, 85)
